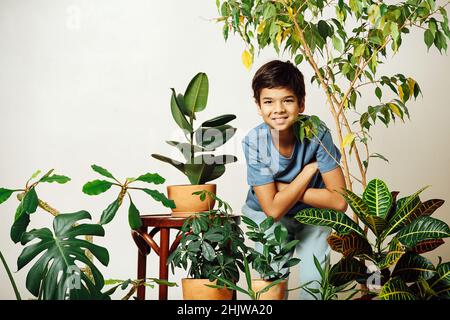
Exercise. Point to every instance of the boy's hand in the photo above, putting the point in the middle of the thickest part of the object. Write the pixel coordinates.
(311, 167)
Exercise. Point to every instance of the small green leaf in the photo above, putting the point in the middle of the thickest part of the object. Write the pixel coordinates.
(134, 218)
(30, 201)
(109, 213)
(158, 196)
(55, 178)
(338, 44)
(96, 187)
(196, 95)
(151, 178)
(208, 251)
(102, 171)
(5, 194)
(428, 38)
(298, 59)
(378, 93)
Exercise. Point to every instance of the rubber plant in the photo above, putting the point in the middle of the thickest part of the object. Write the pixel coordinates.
(96, 187)
(201, 166)
(403, 229)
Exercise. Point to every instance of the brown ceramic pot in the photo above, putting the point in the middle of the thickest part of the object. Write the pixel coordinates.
(195, 289)
(277, 292)
(188, 204)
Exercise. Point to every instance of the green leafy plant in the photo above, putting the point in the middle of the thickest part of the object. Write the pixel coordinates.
(271, 263)
(97, 187)
(254, 295)
(54, 274)
(331, 284)
(212, 244)
(427, 282)
(135, 284)
(211, 134)
(29, 201)
(403, 229)
(344, 43)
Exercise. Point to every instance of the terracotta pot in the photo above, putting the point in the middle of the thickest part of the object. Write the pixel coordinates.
(195, 289)
(277, 292)
(188, 204)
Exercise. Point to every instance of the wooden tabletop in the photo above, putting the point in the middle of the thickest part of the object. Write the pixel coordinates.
(168, 221)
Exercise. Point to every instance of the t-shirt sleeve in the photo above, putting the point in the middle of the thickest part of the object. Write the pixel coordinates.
(258, 171)
(326, 159)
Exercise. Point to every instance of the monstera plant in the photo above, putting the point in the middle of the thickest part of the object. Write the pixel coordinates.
(403, 229)
(55, 274)
(201, 165)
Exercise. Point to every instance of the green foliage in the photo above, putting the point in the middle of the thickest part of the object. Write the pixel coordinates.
(96, 187)
(212, 244)
(336, 280)
(54, 274)
(211, 134)
(271, 263)
(403, 229)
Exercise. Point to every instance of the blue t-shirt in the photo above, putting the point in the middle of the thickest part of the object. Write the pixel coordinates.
(265, 164)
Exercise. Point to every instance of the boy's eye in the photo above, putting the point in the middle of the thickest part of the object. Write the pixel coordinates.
(289, 100)
(267, 102)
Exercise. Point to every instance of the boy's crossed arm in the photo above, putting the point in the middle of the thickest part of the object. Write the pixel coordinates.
(277, 198)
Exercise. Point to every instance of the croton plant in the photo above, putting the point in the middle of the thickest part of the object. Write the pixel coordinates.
(401, 232)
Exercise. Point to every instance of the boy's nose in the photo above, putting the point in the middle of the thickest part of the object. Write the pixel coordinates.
(279, 108)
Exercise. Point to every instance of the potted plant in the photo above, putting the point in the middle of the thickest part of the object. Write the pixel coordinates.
(201, 165)
(272, 260)
(403, 229)
(212, 246)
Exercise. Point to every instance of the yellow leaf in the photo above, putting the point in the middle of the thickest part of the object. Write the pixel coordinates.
(241, 19)
(279, 38)
(290, 12)
(247, 59)
(261, 27)
(348, 140)
(395, 109)
(345, 103)
(400, 93)
(411, 84)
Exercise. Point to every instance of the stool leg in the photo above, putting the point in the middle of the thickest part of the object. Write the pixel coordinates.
(141, 272)
(163, 255)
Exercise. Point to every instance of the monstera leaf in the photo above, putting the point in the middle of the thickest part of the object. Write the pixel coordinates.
(329, 218)
(55, 274)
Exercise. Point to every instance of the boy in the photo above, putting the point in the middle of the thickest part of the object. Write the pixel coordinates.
(286, 176)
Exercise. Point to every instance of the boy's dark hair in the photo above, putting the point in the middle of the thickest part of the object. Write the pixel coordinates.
(277, 73)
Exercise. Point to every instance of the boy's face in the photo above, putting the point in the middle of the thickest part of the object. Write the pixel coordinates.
(279, 107)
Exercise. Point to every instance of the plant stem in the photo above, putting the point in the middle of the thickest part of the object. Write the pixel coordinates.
(11, 279)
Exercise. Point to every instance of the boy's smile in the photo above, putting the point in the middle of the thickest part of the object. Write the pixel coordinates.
(279, 107)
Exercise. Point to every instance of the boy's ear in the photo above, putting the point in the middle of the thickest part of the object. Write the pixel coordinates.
(302, 106)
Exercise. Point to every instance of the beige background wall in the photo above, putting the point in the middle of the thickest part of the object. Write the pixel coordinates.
(84, 82)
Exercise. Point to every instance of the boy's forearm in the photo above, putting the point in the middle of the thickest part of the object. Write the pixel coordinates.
(286, 198)
(324, 199)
